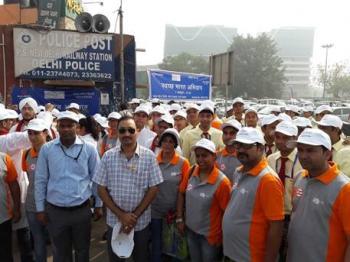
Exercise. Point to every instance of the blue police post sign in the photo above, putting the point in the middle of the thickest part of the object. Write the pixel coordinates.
(168, 85)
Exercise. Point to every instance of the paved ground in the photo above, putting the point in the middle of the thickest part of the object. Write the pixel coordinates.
(98, 252)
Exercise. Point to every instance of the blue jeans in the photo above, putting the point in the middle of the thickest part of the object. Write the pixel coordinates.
(39, 236)
(200, 250)
(156, 231)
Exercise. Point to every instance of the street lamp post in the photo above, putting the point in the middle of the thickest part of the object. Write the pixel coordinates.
(327, 46)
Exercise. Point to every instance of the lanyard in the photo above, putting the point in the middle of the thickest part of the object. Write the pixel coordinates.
(294, 163)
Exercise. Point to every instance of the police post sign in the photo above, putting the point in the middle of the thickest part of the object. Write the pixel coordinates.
(63, 55)
(167, 85)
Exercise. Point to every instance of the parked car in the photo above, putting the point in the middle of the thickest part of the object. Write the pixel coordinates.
(342, 112)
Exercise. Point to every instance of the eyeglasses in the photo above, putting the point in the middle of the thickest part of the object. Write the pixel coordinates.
(123, 130)
(32, 132)
(238, 145)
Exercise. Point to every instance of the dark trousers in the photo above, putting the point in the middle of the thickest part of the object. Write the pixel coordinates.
(141, 249)
(25, 244)
(70, 229)
(6, 241)
(284, 243)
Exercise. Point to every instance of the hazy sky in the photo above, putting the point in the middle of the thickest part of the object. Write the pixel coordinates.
(146, 20)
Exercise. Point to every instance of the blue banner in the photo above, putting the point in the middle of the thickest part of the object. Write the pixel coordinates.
(87, 98)
(167, 85)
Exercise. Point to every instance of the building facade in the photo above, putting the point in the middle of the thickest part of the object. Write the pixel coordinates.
(295, 47)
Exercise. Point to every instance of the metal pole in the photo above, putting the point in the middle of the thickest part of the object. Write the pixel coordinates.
(325, 69)
(4, 67)
(122, 81)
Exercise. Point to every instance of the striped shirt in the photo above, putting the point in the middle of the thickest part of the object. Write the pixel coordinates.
(127, 181)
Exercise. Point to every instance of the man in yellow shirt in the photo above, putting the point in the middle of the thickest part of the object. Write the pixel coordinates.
(202, 130)
(332, 125)
(286, 164)
(192, 119)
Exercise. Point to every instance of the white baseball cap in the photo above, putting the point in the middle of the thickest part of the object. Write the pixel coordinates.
(142, 108)
(275, 109)
(175, 107)
(134, 101)
(167, 119)
(293, 108)
(55, 112)
(155, 100)
(238, 100)
(249, 135)
(269, 119)
(206, 107)
(158, 109)
(189, 106)
(308, 109)
(68, 115)
(37, 124)
(181, 113)
(173, 132)
(73, 106)
(315, 137)
(251, 110)
(323, 108)
(4, 114)
(122, 244)
(205, 144)
(287, 128)
(284, 117)
(208, 103)
(331, 120)
(232, 123)
(12, 114)
(302, 122)
(102, 121)
(114, 115)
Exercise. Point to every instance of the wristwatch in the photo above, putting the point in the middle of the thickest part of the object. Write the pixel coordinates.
(179, 220)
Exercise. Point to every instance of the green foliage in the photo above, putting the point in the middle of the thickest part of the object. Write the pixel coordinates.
(337, 80)
(258, 70)
(185, 62)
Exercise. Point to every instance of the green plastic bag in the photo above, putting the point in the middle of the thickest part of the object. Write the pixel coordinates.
(174, 244)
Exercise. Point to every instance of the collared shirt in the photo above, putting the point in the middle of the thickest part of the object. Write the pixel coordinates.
(256, 199)
(184, 131)
(337, 146)
(320, 222)
(8, 175)
(206, 203)
(194, 135)
(173, 173)
(342, 159)
(227, 162)
(128, 181)
(293, 167)
(63, 175)
(145, 135)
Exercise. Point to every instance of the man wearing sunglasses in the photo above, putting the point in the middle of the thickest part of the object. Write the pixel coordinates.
(62, 183)
(127, 179)
(253, 220)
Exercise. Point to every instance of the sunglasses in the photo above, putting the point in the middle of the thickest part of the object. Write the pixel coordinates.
(238, 145)
(32, 132)
(123, 130)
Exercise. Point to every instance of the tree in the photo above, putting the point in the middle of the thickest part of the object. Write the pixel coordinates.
(337, 80)
(185, 62)
(258, 70)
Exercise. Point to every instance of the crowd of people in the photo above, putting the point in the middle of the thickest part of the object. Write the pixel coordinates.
(177, 183)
